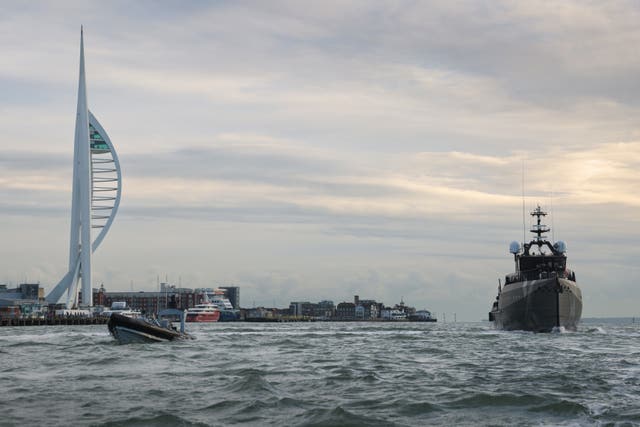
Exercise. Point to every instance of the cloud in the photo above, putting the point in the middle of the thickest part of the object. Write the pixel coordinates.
(261, 172)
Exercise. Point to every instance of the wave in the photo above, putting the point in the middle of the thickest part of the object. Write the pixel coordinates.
(479, 400)
(242, 411)
(562, 407)
(160, 420)
(418, 408)
(340, 417)
(250, 381)
(29, 344)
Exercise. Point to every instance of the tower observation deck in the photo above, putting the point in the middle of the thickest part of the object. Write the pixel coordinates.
(97, 186)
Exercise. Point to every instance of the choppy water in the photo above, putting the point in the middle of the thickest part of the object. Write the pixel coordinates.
(323, 374)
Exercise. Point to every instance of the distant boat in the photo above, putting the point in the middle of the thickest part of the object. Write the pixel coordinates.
(128, 330)
(542, 294)
(227, 312)
(205, 312)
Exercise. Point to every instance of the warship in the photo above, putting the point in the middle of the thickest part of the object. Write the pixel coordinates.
(542, 294)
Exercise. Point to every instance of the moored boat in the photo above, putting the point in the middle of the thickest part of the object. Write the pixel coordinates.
(542, 294)
(204, 312)
(227, 312)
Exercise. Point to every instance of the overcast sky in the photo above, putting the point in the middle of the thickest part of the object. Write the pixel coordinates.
(317, 150)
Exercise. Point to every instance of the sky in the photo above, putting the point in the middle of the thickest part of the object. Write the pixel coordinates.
(319, 150)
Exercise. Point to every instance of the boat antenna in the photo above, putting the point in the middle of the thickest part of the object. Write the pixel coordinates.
(524, 227)
(553, 227)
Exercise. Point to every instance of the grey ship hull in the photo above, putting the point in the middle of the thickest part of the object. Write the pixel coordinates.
(539, 305)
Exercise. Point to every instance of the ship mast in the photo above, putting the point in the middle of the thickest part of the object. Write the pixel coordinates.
(539, 228)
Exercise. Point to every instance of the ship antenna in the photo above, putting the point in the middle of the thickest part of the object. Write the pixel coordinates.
(553, 226)
(524, 227)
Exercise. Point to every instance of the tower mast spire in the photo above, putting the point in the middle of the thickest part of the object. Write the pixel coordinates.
(83, 180)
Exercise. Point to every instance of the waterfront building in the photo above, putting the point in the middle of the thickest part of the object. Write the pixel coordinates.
(346, 311)
(299, 309)
(96, 190)
(392, 314)
(259, 313)
(24, 301)
(397, 312)
(321, 310)
(27, 291)
(325, 310)
(367, 309)
(404, 308)
(149, 302)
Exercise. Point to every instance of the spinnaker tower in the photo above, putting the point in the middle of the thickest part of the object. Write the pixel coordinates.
(97, 186)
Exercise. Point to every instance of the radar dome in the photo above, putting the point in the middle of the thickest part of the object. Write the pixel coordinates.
(560, 246)
(514, 247)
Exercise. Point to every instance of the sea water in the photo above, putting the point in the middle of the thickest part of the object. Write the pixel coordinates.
(323, 374)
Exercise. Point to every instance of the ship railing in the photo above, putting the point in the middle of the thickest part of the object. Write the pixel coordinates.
(536, 274)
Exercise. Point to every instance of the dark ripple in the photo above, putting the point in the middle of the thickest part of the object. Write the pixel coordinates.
(250, 381)
(161, 420)
(29, 344)
(224, 406)
(339, 417)
(481, 400)
(562, 407)
(419, 408)
(289, 344)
